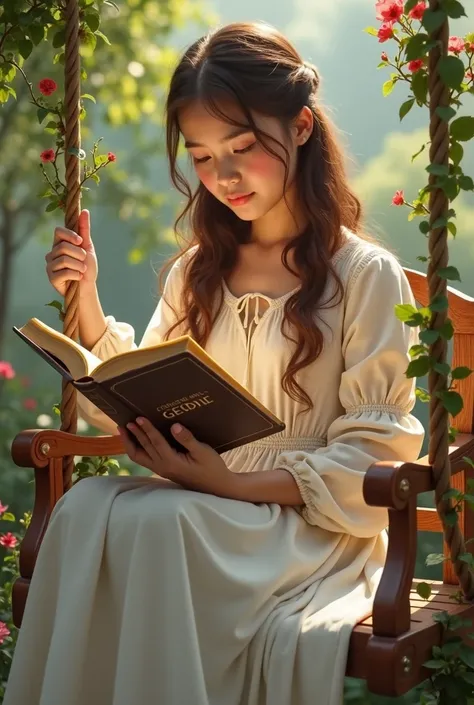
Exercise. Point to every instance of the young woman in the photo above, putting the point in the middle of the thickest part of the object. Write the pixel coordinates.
(235, 579)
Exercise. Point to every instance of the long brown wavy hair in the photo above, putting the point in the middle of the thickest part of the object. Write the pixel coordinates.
(258, 69)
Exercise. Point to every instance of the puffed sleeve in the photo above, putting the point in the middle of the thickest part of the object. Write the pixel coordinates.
(377, 398)
(120, 337)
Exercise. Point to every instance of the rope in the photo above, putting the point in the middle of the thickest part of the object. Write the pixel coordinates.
(438, 248)
(72, 77)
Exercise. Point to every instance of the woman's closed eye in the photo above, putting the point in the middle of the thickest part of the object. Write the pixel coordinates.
(236, 151)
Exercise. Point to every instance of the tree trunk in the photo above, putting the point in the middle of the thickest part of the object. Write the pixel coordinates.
(6, 270)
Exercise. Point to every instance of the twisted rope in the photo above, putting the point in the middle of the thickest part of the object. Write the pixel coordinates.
(438, 248)
(72, 77)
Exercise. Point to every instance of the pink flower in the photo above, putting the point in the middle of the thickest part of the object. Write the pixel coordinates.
(30, 404)
(6, 370)
(47, 86)
(3, 508)
(398, 199)
(47, 155)
(456, 45)
(4, 632)
(415, 65)
(470, 75)
(385, 32)
(8, 540)
(112, 157)
(383, 56)
(470, 47)
(389, 10)
(418, 11)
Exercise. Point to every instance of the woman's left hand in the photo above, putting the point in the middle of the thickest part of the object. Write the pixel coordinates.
(201, 469)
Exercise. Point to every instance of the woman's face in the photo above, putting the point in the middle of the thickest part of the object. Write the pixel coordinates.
(234, 166)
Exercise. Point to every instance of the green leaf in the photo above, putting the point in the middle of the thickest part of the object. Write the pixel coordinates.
(435, 664)
(371, 30)
(405, 108)
(453, 9)
(466, 183)
(42, 113)
(424, 227)
(452, 229)
(452, 402)
(423, 590)
(103, 37)
(419, 367)
(36, 33)
(404, 312)
(88, 96)
(92, 20)
(451, 70)
(52, 206)
(419, 86)
(439, 303)
(409, 5)
(466, 654)
(422, 394)
(433, 20)
(422, 258)
(416, 47)
(450, 273)
(388, 87)
(445, 113)
(442, 367)
(462, 129)
(429, 336)
(468, 676)
(59, 39)
(461, 372)
(456, 153)
(417, 154)
(8, 516)
(57, 305)
(446, 330)
(451, 517)
(25, 47)
(438, 169)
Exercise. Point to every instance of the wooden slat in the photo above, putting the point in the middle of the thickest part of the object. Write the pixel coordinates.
(427, 519)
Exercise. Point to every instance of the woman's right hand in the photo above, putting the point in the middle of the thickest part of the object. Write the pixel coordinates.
(73, 257)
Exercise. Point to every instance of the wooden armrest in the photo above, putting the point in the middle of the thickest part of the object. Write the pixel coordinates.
(392, 484)
(35, 447)
(395, 485)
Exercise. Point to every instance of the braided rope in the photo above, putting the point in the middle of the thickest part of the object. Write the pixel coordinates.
(438, 248)
(72, 77)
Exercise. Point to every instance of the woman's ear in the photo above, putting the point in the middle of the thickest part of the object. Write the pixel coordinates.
(303, 125)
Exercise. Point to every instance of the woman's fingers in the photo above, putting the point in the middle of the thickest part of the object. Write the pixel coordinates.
(61, 234)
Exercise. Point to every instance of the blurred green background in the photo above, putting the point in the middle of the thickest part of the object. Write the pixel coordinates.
(134, 206)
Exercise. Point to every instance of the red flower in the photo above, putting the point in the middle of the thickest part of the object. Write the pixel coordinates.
(398, 199)
(112, 157)
(456, 45)
(385, 32)
(418, 11)
(384, 56)
(30, 404)
(3, 508)
(47, 155)
(8, 540)
(389, 10)
(470, 75)
(415, 65)
(47, 86)
(4, 632)
(6, 370)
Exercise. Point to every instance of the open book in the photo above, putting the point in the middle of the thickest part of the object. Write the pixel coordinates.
(173, 381)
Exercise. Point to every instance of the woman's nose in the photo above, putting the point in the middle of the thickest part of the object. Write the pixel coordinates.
(227, 174)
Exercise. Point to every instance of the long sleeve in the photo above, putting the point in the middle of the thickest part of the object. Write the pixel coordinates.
(120, 337)
(377, 398)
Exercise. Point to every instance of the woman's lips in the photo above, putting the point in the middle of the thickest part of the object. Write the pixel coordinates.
(240, 200)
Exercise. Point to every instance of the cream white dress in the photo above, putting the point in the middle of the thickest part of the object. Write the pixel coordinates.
(146, 593)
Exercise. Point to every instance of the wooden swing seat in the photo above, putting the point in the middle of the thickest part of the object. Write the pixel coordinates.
(389, 648)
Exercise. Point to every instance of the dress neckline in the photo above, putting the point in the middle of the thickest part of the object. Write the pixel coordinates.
(280, 300)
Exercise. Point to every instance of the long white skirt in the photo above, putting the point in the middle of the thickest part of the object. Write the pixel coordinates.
(147, 593)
